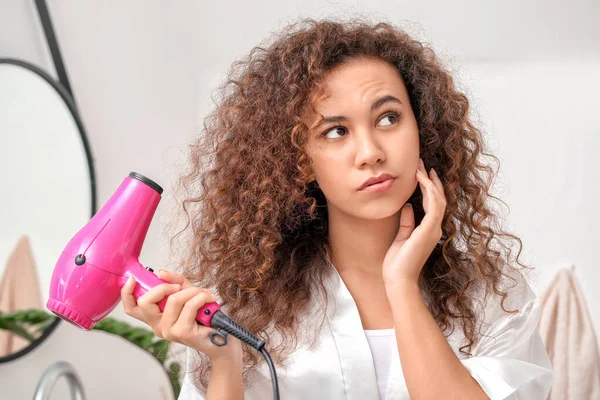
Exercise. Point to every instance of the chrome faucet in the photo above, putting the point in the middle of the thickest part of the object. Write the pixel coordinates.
(51, 375)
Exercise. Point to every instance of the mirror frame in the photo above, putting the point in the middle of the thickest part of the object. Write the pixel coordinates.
(70, 103)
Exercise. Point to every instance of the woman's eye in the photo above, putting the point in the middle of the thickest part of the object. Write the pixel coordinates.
(394, 117)
(337, 130)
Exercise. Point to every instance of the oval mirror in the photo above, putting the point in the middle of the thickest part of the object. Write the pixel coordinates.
(48, 192)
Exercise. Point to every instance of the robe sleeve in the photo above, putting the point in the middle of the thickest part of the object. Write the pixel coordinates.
(510, 360)
(189, 391)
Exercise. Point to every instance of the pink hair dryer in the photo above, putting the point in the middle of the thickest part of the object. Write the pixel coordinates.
(88, 277)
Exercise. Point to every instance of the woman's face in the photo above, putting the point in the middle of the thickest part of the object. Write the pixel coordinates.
(369, 130)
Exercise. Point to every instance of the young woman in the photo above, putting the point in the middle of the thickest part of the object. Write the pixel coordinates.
(338, 209)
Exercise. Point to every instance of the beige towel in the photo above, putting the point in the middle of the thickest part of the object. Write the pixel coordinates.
(19, 290)
(570, 339)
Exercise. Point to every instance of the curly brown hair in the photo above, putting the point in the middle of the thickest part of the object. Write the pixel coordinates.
(257, 220)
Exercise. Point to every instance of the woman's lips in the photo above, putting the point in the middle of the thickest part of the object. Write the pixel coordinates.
(379, 187)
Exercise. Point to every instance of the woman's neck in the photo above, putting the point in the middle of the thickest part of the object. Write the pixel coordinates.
(359, 245)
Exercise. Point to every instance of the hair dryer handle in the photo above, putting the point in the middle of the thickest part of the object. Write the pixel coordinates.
(146, 280)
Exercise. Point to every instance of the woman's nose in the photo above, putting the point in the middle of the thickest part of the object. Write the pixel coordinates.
(368, 150)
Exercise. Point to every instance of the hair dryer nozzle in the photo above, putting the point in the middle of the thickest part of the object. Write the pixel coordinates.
(147, 181)
(68, 314)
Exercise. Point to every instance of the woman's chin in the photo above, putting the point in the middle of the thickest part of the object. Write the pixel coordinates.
(376, 211)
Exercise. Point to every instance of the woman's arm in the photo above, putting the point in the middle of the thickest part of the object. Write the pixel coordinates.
(225, 381)
(431, 369)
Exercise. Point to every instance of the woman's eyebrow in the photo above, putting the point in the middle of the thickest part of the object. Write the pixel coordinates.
(385, 99)
(376, 104)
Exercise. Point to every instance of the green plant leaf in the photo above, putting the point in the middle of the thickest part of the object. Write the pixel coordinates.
(20, 322)
(16, 328)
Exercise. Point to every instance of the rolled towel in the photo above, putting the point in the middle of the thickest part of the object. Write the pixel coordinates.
(19, 290)
(570, 339)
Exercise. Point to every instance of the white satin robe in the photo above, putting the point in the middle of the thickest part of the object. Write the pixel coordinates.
(509, 362)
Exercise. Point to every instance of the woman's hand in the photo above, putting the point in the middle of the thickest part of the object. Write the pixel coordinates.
(412, 247)
(177, 323)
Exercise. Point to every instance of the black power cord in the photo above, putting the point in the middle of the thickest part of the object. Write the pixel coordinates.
(226, 325)
(274, 382)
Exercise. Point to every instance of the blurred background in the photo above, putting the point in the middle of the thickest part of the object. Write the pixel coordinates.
(141, 74)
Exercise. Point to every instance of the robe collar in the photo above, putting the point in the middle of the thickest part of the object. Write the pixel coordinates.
(356, 359)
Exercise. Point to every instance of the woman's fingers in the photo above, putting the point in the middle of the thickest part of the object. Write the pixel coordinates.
(157, 293)
(435, 178)
(187, 329)
(175, 304)
(173, 277)
(434, 199)
(177, 322)
(148, 307)
(179, 318)
(422, 176)
(190, 309)
(129, 303)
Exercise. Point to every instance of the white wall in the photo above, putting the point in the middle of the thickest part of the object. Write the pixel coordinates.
(542, 124)
(143, 71)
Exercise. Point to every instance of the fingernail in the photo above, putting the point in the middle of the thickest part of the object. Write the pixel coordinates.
(176, 286)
